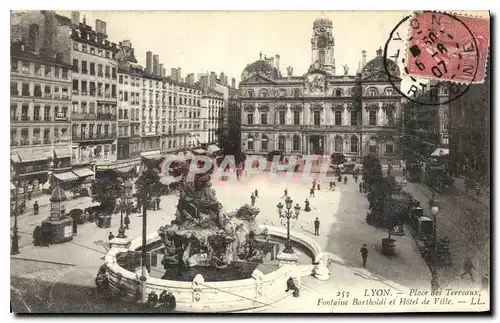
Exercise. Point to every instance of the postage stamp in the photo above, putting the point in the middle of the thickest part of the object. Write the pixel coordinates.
(447, 47)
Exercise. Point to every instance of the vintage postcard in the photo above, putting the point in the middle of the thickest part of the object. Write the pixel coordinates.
(249, 162)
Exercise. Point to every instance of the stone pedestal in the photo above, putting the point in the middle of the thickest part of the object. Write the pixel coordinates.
(60, 230)
(287, 258)
(119, 243)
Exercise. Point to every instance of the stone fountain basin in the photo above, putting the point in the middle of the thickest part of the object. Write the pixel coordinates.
(219, 296)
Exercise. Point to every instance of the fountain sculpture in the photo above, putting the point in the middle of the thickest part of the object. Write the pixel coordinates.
(202, 234)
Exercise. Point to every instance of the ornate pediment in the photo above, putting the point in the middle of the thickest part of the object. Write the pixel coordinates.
(281, 107)
(338, 107)
(316, 106)
(264, 108)
(316, 83)
(349, 106)
(249, 107)
(257, 79)
(389, 106)
(296, 107)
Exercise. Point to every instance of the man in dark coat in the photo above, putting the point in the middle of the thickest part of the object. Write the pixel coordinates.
(35, 208)
(111, 236)
(316, 227)
(311, 192)
(126, 221)
(364, 254)
(252, 199)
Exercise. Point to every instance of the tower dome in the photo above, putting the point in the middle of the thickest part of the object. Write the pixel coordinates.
(58, 195)
(260, 67)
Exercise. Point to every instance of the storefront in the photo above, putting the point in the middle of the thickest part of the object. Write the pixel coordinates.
(31, 170)
(126, 169)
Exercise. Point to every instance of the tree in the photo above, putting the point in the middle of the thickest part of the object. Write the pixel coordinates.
(107, 188)
(148, 184)
(337, 159)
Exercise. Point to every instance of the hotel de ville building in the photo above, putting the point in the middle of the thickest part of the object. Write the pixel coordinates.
(321, 112)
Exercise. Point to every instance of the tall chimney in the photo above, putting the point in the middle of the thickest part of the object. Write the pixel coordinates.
(178, 74)
(173, 74)
(34, 32)
(277, 62)
(233, 83)
(156, 62)
(104, 28)
(75, 17)
(160, 70)
(163, 72)
(225, 80)
(363, 60)
(213, 79)
(50, 31)
(149, 62)
(221, 77)
(272, 61)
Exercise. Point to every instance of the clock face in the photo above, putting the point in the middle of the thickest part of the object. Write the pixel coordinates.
(322, 42)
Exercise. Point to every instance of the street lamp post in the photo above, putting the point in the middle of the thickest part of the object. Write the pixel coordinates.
(434, 209)
(14, 249)
(288, 214)
(127, 190)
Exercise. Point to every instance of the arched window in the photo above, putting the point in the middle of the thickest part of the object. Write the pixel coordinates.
(354, 144)
(263, 143)
(372, 91)
(339, 144)
(281, 143)
(338, 92)
(250, 93)
(264, 93)
(282, 93)
(389, 91)
(296, 143)
(297, 93)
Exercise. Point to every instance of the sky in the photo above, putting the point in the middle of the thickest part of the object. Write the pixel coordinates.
(227, 41)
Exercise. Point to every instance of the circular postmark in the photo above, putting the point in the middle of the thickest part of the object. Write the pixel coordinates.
(441, 57)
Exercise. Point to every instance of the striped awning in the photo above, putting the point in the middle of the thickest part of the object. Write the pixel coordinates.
(15, 158)
(125, 169)
(62, 152)
(83, 172)
(34, 155)
(66, 176)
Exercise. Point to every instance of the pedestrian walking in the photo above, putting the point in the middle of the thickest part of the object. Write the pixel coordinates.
(468, 267)
(111, 236)
(158, 202)
(318, 187)
(285, 193)
(316, 227)
(256, 193)
(307, 206)
(345, 179)
(339, 178)
(35, 208)
(127, 222)
(364, 254)
(314, 183)
(311, 192)
(361, 187)
(252, 199)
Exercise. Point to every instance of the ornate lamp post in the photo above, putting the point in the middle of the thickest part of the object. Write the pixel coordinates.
(288, 214)
(14, 248)
(127, 191)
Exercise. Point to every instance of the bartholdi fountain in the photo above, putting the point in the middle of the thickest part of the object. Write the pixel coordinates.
(211, 258)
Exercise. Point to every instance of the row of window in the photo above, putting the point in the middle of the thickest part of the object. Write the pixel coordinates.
(89, 68)
(101, 130)
(84, 48)
(97, 89)
(91, 108)
(297, 93)
(30, 112)
(38, 69)
(31, 89)
(281, 118)
(37, 136)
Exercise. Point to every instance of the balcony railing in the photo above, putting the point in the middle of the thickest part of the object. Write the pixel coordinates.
(101, 136)
(106, 116)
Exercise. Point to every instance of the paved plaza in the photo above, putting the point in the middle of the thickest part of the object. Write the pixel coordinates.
(70, 268)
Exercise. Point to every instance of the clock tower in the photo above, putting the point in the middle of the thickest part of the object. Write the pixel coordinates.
(323, 45)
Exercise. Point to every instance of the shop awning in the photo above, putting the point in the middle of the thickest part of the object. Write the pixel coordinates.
(153, 157)
(212, 149)
(83, 172)
(15, 158)
(62, 152)
(33, 155)
(66, 176)
(440, 152)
